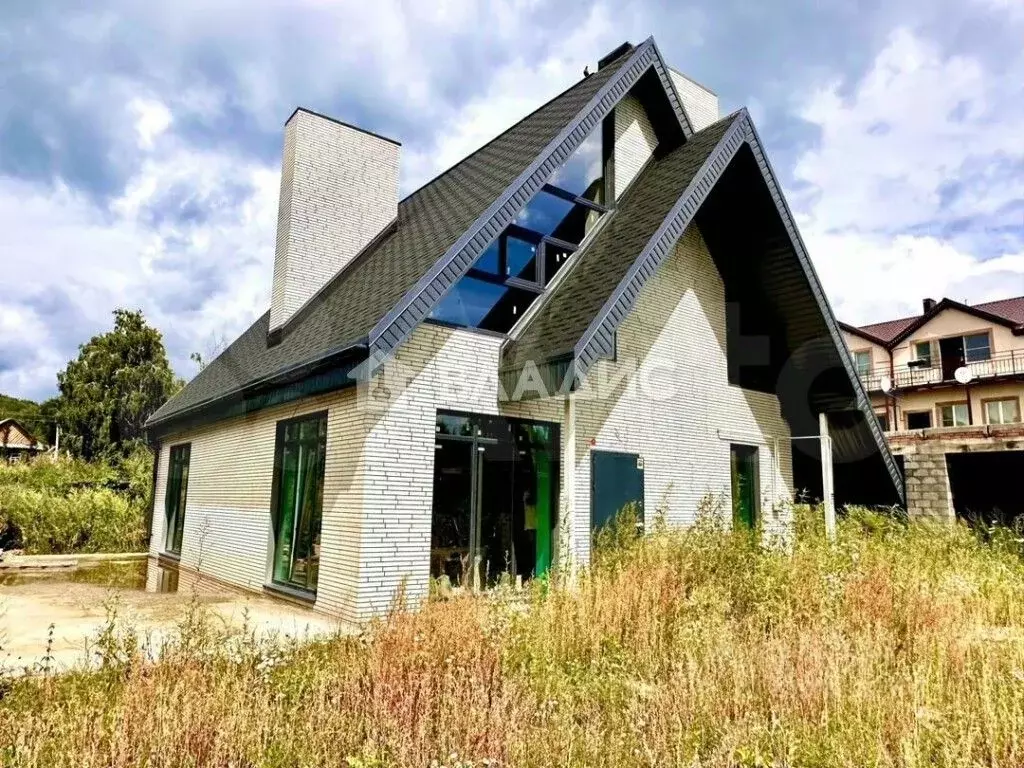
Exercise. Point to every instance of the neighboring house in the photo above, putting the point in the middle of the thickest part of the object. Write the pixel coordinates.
(16, 442)
(608, 303)
(958, 436)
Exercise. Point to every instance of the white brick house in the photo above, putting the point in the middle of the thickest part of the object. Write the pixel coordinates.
(607, 304)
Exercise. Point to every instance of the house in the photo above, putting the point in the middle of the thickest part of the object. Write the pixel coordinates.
(16, 442)
(948, 387)
(608, 303)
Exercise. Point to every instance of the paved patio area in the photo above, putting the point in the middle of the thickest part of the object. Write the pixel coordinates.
(76, 602)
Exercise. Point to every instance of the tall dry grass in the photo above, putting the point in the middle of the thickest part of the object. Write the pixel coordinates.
(900, 646)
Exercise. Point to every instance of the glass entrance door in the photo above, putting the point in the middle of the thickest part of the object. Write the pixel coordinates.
(495, 491)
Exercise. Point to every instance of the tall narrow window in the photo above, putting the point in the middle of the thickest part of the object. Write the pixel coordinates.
(923, 353)
(745, 471)
(862, 359)
(298, 500)
(175, 496)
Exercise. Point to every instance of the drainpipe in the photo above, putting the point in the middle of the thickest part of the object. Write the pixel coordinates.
(892, 377)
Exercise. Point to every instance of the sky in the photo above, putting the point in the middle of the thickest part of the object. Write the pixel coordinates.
(140, 142)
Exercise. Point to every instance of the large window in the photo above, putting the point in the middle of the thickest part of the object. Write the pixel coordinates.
(977, 348)
(175, 496)
(954, 415)
(298, 500)
(1006, 411)
(517, 267)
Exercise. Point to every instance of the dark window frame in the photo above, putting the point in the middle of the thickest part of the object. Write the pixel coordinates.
(307, 589)
(176, 491)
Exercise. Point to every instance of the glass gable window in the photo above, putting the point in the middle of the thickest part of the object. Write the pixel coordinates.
(298, 500)
(517, 267)
(175, 497)
(977, 348)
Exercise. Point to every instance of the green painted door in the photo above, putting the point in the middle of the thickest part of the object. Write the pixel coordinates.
(616, 480)
(745, 494)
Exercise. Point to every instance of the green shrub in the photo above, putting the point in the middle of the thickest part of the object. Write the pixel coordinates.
(70, 505)
(81, 520)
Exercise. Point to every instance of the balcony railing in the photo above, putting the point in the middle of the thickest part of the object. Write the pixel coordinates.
(906, 377)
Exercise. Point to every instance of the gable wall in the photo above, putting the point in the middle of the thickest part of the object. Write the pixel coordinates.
(701, 104)
(683, 420)
(443, 369)
(13, 436)
(635, 141)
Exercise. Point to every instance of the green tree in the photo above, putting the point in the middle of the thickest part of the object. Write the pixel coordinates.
(119, 379)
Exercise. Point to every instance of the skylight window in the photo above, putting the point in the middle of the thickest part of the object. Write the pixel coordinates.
(516, 268)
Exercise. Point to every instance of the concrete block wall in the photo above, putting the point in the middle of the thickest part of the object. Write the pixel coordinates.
(675, 338)
(701, 104)
(339, 189)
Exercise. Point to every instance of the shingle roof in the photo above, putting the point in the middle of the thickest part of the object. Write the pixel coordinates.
(1010, 310)
(601, 265)
(429, 221)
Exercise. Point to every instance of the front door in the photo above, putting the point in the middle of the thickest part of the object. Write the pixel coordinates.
(616, 482)
(745, 496)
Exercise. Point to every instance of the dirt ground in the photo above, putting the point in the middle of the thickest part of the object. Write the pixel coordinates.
(76, 603)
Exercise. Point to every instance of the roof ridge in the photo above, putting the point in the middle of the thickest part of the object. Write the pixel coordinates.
(921, 314)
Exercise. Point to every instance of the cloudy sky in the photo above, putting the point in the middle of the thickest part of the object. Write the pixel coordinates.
(140, 142)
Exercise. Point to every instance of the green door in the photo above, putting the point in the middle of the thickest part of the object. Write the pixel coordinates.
(616, 480)
(745, 492)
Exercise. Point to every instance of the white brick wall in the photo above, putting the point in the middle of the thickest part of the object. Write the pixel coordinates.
(684, 432)
(450, 369)
(339, 189)
(634, 142)
(379, 472)
(701, 104)
(228, 518)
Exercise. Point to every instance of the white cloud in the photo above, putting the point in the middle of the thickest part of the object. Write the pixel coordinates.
(152, 118)
(916, 181)
(73, 262)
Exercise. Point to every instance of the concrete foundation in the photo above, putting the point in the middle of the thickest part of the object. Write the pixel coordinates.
(929, 495)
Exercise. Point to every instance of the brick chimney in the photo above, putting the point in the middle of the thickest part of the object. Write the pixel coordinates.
(928, 305)
(339, 190)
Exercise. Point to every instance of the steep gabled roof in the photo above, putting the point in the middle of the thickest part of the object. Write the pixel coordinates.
(562, 321)
(380, 297)
(1006, 312)
(721, 176)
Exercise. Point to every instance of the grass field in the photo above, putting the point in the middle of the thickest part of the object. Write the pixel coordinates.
(901, 646)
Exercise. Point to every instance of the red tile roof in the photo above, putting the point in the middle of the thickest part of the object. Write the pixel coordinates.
(1011, 310)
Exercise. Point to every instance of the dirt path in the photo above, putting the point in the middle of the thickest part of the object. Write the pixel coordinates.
(30, 603)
